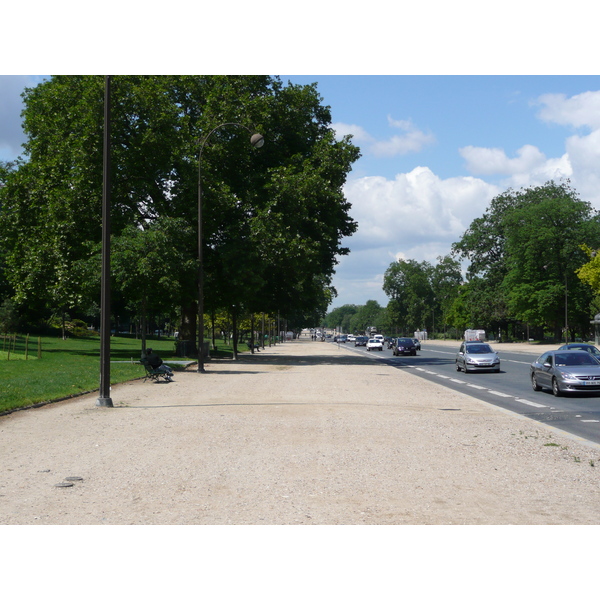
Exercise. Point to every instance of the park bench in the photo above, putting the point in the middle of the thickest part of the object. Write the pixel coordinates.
(153, 374)
(256, 346)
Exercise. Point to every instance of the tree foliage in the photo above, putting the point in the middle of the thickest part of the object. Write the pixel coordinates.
(524, 253)
(273, 219)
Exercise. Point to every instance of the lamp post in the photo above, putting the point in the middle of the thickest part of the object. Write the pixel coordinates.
(257, 141)
(104, 398)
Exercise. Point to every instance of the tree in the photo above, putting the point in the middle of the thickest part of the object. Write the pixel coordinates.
(339, 318)
(273, 220)
(446, 281)
(367, 315)
(524, 253)
(408, 285)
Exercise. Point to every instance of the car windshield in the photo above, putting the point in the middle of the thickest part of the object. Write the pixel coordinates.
(571, 360)
(405, 341)
(479, 349)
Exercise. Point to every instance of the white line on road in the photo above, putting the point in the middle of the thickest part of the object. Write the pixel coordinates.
(530, 403)
(500, 394)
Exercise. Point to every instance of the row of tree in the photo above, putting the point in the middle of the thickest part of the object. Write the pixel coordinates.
(273, 219)
(533, 271)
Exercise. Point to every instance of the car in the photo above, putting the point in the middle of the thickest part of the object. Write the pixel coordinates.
(477, 356)
(417, 342)
(351, 337)
(566, 371)
(580, 346)
(379, 337)
(404, 346)
(361, 340)
(340, 339)
(374, 344)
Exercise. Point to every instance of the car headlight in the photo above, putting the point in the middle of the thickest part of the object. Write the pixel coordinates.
(566, 375)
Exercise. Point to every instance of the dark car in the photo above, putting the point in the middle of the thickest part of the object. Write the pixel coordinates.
(565, 371)
(361, 340)
(404, 346)
(580, 346)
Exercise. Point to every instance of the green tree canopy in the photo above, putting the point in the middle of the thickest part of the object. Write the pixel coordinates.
(273, 219)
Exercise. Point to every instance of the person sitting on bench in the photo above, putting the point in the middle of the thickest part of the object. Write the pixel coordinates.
(156, 363)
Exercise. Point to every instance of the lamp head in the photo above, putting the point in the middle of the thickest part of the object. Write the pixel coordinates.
(257, 140)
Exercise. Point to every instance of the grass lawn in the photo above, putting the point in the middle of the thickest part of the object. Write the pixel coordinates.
(72, 366)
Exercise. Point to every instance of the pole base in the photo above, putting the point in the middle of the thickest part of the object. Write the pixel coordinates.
(104, 402)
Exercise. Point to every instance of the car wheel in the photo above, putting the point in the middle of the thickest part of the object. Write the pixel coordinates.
(458, 367)
(534, 384)
(555, 389)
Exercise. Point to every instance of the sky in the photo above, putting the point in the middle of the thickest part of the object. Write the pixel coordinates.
(435, 149)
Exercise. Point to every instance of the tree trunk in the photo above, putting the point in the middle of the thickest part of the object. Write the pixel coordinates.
(235, 332)
(188, 329)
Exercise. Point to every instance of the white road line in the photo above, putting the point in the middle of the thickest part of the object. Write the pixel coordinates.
(477, 387)
(500, 394)
(589, 421)
(530, 403)
(457, 380)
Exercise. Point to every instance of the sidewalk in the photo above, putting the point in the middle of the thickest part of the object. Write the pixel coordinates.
(301, 433)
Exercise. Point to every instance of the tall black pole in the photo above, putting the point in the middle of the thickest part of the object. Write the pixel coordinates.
(104, 399)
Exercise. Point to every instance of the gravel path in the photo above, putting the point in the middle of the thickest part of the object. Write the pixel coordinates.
(302, 433)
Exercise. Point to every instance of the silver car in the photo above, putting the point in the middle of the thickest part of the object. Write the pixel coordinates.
(566, 371)
(477, 356)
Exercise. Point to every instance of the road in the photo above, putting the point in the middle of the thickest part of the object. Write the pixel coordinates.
(510, 389)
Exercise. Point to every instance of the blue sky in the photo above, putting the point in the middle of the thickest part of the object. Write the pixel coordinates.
(435, 150)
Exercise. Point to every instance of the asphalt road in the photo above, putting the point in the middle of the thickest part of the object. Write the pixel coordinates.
(510, 389)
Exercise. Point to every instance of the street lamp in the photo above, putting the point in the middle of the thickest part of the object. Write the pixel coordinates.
(104, 398)
(257, 141)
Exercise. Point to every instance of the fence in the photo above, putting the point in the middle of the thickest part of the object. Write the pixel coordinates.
(19, 347)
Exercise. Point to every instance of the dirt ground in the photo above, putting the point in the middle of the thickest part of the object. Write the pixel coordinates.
(300, 433)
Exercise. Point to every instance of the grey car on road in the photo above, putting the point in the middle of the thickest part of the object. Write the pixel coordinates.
(477, 356)
(566, 371)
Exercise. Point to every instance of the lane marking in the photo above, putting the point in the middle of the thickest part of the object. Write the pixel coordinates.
(590, 421)
(500, 394)
(530, 403)
(477, 387)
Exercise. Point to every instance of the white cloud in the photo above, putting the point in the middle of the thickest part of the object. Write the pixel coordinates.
(356, 131)
(417, 215)
(582, 110)
(493, 161)
(411, 141)
(414, 207)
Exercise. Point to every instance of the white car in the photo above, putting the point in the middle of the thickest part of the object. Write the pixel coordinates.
(351, 338)
(374, 344)
(379, 337)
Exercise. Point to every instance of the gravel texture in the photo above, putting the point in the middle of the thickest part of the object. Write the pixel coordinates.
(300, 433)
